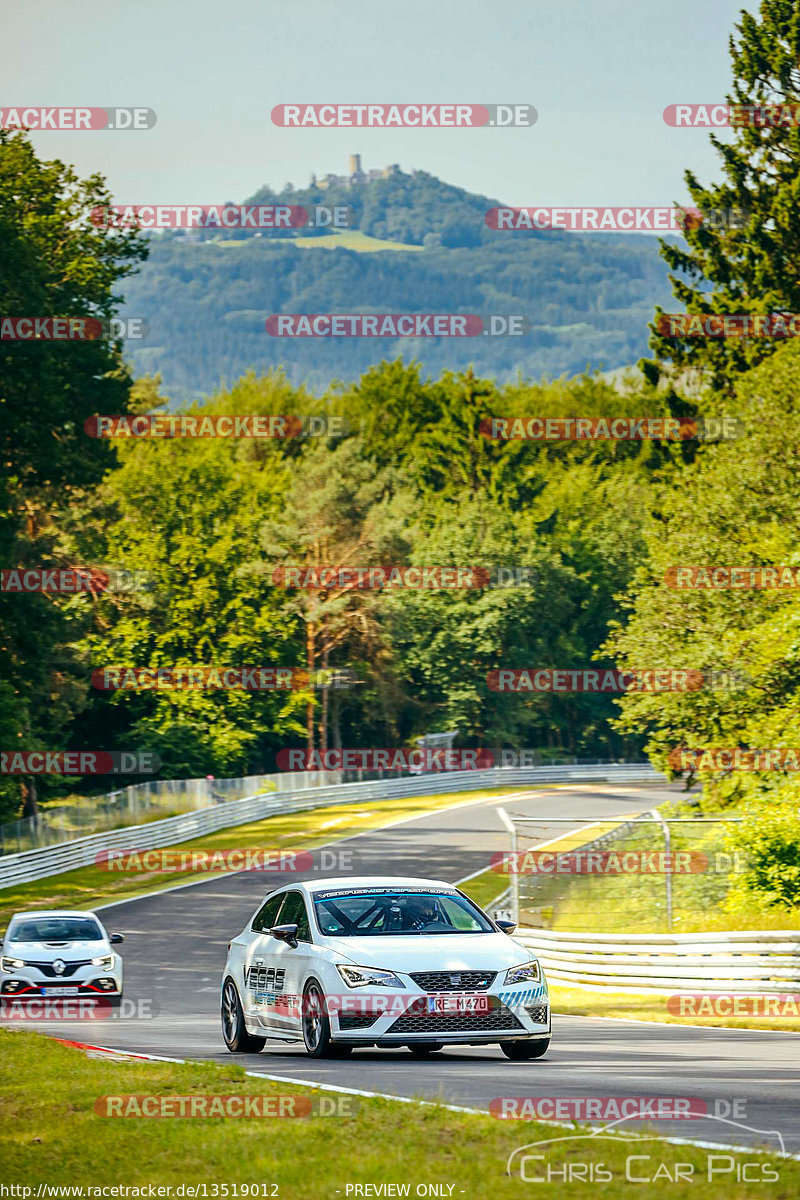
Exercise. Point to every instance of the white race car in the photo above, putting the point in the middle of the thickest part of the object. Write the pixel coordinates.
(60, 954)
(379, 961)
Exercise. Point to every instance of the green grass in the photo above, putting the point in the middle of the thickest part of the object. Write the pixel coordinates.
(307, 830)
(353, 239)
(484, 889)
(603, 1002)
(52, 1134)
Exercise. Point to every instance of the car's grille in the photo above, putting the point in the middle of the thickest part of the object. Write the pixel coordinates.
(454, 981)
(537, 1013)
(357, 1020)
(69, 968)
(417, 1019)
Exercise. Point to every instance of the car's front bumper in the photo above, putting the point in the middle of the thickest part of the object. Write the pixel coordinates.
(86, 980)
(521, 1011)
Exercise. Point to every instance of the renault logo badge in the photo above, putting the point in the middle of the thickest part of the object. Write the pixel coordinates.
(59, 966)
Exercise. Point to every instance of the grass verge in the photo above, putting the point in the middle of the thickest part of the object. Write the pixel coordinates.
(293, 831)
(602, 1002)
(52, 1134)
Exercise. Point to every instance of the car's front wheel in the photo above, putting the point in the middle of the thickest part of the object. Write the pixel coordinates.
(316, 1023)
(520, 1051)
(234, 1030)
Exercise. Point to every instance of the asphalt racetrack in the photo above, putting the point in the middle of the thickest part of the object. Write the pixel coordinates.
(175, 948)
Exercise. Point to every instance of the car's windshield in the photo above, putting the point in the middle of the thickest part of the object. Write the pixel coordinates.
(55, 929)
(388, 912)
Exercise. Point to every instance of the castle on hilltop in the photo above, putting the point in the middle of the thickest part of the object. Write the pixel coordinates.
(356, 177)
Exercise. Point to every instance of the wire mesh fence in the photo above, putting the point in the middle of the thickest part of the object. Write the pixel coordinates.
(647, 873)
(143, 802)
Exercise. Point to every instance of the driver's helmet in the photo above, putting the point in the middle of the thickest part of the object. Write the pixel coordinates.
(421, 910)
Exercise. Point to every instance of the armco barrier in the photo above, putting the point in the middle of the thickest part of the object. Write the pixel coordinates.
(668, 963)
(50, 860)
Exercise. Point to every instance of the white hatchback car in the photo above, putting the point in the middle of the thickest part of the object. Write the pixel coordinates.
(378, 961)
(60, 953)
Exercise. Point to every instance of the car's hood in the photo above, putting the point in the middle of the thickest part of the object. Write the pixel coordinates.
(445, 952)
(50, 951)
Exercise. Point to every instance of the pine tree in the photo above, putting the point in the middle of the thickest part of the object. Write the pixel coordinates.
(747, 261)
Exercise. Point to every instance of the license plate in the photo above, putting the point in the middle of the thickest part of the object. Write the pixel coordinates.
(60, 991)
(458, 1004)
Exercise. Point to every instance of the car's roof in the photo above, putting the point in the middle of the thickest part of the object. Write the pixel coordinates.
(374, 881)
(52, 912)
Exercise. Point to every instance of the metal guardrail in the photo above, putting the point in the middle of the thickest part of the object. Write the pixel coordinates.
(82, 852)
(748, 961)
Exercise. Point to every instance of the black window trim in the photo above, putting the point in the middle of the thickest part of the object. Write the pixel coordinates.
(287, 890)
(295, 891)
(277, 893)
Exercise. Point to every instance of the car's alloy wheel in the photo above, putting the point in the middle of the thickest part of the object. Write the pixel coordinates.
(234, 1030)
(316, 1024)
(530, 1048)
(423, 1049)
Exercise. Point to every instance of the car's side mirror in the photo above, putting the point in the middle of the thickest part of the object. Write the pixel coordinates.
(506, 926)
(285, 933)
(116, 938)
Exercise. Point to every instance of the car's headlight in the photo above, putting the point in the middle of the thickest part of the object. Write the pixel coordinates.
(105, 960)
(524, 973)
(369, 976)
(11, 964)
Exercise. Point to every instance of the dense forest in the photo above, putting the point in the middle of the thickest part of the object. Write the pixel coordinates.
(589, 531)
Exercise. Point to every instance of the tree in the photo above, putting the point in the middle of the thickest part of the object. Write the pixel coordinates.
(337, 513)
(754, 268)
(55, 263)
(187, 512)
(736, 505)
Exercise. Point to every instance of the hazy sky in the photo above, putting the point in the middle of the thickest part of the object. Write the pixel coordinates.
(599, 72)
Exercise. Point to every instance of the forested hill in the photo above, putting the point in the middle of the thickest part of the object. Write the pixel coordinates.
(419, 245)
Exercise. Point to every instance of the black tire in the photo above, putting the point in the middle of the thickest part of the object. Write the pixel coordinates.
(234, 1031)
(423, 1049)
(115, 1001)
(316, 1023)
(530, 1048)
